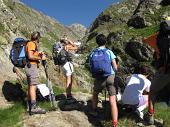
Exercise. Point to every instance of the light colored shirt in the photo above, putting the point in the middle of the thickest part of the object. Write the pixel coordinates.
(136, 84)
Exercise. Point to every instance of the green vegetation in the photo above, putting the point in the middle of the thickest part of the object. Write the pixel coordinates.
(11, 116)
(163, 113)
(2, 28)
(128, 119)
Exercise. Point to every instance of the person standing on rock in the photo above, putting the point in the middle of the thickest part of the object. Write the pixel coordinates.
(103, 67)
(67, 67)
(34, 56)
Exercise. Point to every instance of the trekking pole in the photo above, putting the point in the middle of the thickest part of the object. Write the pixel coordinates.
(19, 75)
(51, 96)
(105, 92)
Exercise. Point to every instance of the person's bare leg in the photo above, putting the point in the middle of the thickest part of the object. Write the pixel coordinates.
(68, 85)
(114, 110)
(94, 100)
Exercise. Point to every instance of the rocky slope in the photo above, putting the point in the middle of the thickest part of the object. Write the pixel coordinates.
(126, 24)
(79, 29)
(19, 20)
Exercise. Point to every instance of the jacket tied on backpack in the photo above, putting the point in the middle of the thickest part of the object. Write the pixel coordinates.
(101, 62)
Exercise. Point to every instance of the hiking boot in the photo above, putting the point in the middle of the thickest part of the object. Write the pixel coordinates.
(149, 118)
(139, 113)
(37, 110)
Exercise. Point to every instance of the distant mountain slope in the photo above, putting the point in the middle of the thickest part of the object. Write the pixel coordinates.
(79, 29)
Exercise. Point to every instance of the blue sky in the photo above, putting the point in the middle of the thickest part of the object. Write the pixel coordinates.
(71, 11)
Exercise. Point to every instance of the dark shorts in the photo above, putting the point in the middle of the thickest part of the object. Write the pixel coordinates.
(100, 84)
(32, 75)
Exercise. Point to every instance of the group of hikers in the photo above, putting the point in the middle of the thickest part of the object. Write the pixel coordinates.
(139, 91)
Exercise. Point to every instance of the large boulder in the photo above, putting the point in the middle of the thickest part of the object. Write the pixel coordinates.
(165, 2)
(99, 21)
(138, 51)
(137, 21)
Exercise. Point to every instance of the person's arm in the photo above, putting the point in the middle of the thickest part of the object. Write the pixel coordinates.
(113, 60)
(147, 89)
(114, 64)
(70, 46)
(72, 43)
(32, 55)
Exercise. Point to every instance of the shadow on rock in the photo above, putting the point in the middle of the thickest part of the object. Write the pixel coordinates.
(13, 92)
(85, 107)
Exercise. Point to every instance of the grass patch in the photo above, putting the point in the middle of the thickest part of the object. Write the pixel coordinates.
(11, 116)
(128, 119)
(58, 90)
(163, 113)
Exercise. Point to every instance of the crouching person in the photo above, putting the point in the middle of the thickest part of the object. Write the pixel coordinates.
(136, 92)
(103, 67)
(32, 72)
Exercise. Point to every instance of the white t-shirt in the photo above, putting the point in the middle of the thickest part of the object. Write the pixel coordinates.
(136, 84)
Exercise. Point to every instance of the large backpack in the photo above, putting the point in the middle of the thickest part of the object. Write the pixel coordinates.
(60, 56)
(18, 54)
(163, 43)
(100, 63)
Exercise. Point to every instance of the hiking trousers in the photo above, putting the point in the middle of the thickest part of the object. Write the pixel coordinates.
(160, 81)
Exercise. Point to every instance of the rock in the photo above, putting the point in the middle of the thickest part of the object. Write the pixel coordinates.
(138, 51)
(137, 21)
(165, 2)
(159, 122)
(99, 21)
(113, 37)
(79, 29)
(3, 40)
(140, 124)
(57, 119)
(75, 116)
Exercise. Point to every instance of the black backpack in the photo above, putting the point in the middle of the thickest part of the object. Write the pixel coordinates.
(163, 43)
(60, 58)
(18, 54)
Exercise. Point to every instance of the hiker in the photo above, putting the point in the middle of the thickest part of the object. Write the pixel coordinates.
(161, 78)
(104, 57)
(136, 91)
(67, 67)
(34, 56)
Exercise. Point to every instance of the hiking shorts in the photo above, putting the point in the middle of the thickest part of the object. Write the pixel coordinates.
(32, 74)
(100, 84)
(68, 68)
(143, 100)
(160, 81)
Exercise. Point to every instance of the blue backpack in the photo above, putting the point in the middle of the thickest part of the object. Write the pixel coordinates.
(100, 63)
(18, 54)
